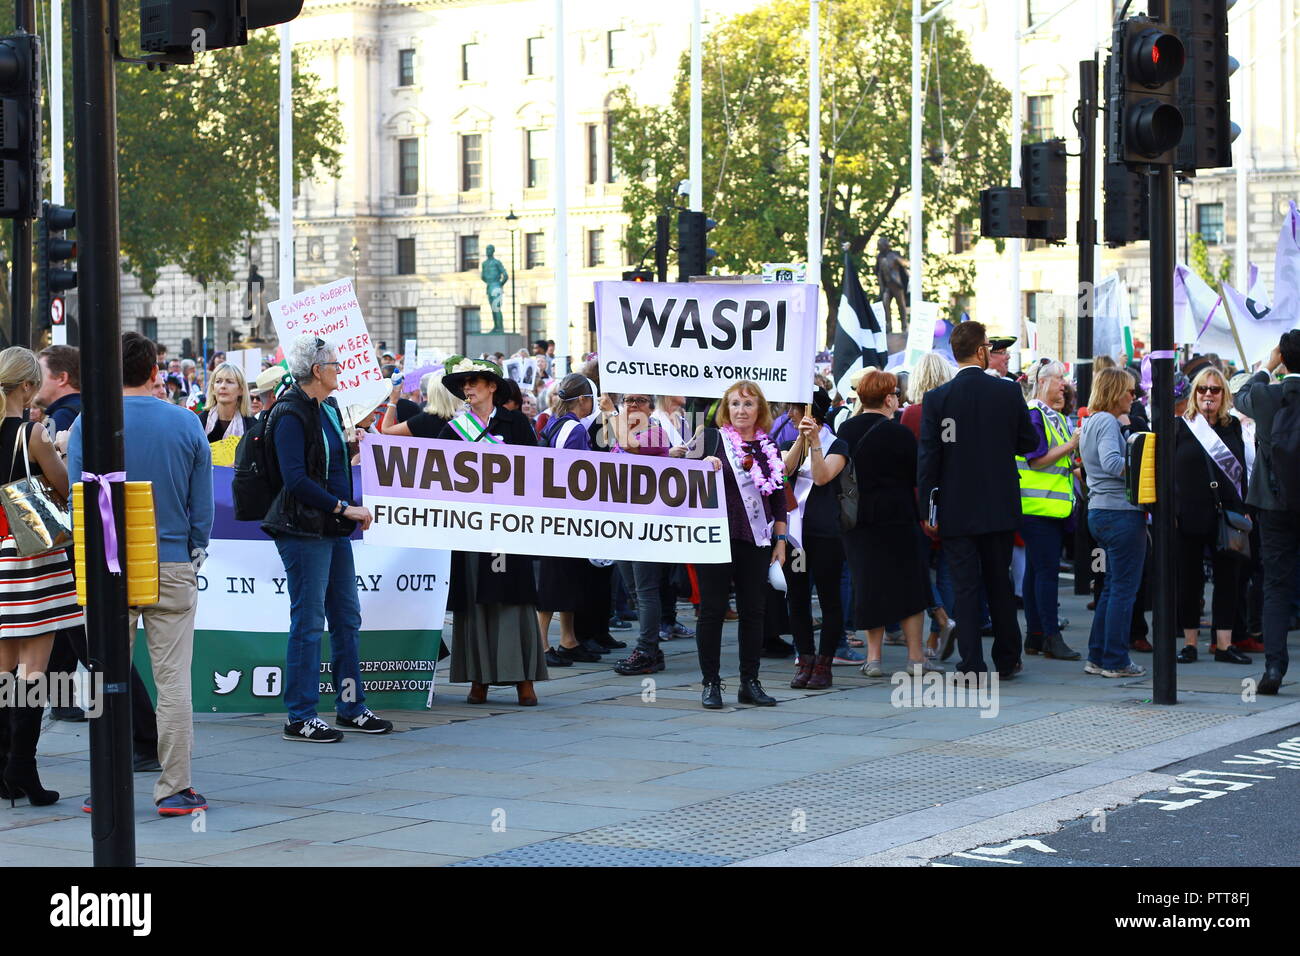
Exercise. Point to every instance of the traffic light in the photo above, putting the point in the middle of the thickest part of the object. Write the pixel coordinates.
(1125, 216)
(639, 275)
(52, 248)
(20, 126)
(1042, 174)
(1002, 213)
(186, 27)
(1203, 90)
(693, 254)
(1143, 124)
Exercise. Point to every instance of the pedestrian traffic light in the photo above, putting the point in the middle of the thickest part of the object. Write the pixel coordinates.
(1002, 213)
(20, 126)
(185, 27)
(52, 248)
(1143, 124)
(1203, 88)
(1042, 174)
(1125, 216)
(693, 254)
(639, 275)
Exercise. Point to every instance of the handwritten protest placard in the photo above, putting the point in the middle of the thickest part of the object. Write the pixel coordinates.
(331, 312)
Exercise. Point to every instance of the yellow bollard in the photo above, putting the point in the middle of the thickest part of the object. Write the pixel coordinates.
(141, 543)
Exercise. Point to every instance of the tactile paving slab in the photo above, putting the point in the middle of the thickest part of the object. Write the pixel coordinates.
(780, 816)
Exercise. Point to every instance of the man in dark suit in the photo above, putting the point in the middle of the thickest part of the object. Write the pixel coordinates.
(1279, 520)
(972, 428)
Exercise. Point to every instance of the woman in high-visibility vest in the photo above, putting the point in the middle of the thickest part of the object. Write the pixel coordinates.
(1046, 500)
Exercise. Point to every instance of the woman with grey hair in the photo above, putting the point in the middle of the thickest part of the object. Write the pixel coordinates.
(1046, 501)
(311, 519)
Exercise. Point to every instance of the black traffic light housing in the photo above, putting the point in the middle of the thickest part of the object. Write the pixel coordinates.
(1143, 123)
(1042, 174)
(1125, 212)
(1002, 213)
(639, 275)
(693, 253)
(178, 29)
(20, 126)
(1203, 89)
(52, 248)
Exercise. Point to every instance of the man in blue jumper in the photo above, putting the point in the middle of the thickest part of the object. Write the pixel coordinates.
(166, 445)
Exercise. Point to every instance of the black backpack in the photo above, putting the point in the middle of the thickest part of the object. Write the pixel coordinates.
(1285, 458)
(256, 481)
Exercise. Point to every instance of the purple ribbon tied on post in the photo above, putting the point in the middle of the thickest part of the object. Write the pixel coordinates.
(106, 514)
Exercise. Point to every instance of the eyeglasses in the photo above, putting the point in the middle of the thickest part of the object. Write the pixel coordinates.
(337, 365)
(1209, 389)
(635, 400)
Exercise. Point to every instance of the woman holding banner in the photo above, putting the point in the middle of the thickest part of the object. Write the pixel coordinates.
(813, 462)
(753, 479)
(493, 598)
(563, 584)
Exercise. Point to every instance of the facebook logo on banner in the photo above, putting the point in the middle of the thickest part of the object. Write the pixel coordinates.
(266, 682)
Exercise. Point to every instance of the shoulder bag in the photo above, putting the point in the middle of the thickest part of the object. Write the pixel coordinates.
(1232, 528)
(38, 516)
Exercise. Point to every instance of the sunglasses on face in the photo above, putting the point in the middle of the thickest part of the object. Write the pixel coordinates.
(635, 400)
(1209, 389)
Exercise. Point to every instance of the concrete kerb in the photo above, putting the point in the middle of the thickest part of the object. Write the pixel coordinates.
(1123, 777)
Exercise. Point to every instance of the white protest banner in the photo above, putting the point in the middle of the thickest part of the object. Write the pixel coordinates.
(331, 312)
(920, 330)
(1110, 316)
(249, 362)
(670, 338)
(1058, 327)
(516, 499)
(409, 349)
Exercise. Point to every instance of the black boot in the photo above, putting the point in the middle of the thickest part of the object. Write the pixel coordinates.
(5, 793)
(20, 776)
(712, 696)
(751, 692)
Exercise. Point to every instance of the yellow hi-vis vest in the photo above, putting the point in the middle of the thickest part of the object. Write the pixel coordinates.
(1048, 492)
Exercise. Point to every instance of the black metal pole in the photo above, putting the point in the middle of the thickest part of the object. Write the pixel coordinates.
(1163, 356)
(95, 142)
(661, 248)
(20, 300)
(1087, 234)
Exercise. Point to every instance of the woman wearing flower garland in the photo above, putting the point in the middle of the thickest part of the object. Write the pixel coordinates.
(753, 479)
(495, 638)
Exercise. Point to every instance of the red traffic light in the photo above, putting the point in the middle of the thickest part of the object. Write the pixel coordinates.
(1157, 57)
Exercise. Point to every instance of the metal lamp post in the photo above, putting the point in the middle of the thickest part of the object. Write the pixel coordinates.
(514, 308)
(355, 252)
(1185, 194)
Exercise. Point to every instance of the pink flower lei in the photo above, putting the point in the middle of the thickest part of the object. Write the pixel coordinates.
(768, 483)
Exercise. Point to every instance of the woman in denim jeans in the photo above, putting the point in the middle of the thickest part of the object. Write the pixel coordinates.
(311, 519)
(1118, 527)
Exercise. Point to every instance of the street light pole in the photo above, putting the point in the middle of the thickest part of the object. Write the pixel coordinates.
(514, 306)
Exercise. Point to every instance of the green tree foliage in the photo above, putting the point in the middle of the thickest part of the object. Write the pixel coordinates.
(1200, 256)
(755, 96)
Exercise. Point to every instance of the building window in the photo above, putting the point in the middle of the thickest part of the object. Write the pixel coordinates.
(408, 328)
(611, 169)
(408, 167)
(469, 62)
(536, 56)
(149, 328)
(595, 247)
(1038, 118)
(1209, 222)
(616, 49)
(405, 67)
(593, 154)
(1038, 10)
(471, 162)
(469, 319)
(534, 250)
(536, 315)
(406, 257)
(468, 253)
(539, 157)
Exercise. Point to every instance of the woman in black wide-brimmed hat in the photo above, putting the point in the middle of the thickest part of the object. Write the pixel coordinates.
(495, 638)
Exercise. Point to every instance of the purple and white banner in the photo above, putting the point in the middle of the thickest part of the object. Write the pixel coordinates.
(512, 499)
(696, 338)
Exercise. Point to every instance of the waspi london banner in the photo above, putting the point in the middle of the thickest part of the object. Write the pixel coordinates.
(511, 499)
(696, 338)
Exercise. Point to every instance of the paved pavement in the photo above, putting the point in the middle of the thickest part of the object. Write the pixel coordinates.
(616, 770)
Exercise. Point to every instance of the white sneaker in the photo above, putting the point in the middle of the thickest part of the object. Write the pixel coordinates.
(872, 669)
(1133, 670)
(932, 667)
(1090, 668)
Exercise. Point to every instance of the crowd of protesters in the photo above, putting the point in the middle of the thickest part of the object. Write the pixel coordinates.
(952, 493)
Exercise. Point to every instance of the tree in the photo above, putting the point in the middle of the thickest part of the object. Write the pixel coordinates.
(1200, 256)
(755, 96)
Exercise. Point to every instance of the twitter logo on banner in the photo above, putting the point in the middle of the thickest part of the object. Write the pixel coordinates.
(226, 683)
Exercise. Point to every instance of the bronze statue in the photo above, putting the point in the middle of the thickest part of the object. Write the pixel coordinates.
(891, 272)
(495, 277)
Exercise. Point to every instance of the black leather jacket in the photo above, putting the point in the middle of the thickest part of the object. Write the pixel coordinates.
(288, 515)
